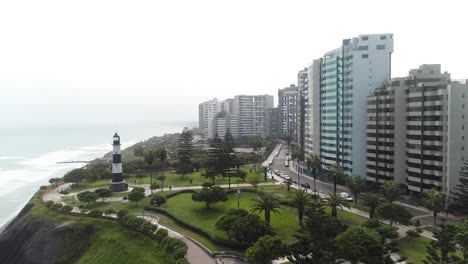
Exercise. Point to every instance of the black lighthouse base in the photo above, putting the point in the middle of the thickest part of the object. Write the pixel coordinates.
(118, 186)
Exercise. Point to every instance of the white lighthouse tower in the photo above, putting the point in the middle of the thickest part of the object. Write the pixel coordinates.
(117, 184)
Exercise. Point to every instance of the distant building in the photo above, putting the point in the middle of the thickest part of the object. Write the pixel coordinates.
(303, 105)
(416, 130)
(312, 111)
(228, 106)
(288, 106)
(223, 121)
(207, 111)
(251, 113)
(272, 123)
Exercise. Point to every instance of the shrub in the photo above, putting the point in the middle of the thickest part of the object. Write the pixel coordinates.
(180, 192)
(64, 192)
(148, 228)
(133, 222)
(160, 234)
(174, 246)
(95, 213)
(120, 214)
(56, 207)
(412, 233)
(109, 211)
(372, 223)
(392, 234)
(66, 209)
(158, 200)
(43, 187)
(419, 230)
(182, 261)
(49, 204)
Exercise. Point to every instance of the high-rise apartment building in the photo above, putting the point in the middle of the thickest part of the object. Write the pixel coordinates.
(312, 111)
(347, 75)
(206, 112)
(272, 123)
(303, 104)
(228, 106)
(288, 106)
(416, 130)
(251, 113)
(224, 121)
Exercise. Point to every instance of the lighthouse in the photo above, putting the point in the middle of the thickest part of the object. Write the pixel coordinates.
(117, 184)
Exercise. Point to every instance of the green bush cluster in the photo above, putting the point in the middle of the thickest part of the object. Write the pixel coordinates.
(161, 234)
(174, 246)
(180, 192)
(139, 224)
(95, 213)
(412, 233)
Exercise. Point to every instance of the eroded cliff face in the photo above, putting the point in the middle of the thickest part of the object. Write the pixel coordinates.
(38, 240)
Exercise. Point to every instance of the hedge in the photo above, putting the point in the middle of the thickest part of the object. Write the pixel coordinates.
(180, 192)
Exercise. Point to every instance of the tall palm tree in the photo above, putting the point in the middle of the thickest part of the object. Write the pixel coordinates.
(335, 201)
(139, 151)
(313, 161)
(150, 157)
(372, 200)
(162, 156)
(266, 203)
(355, 185)
(334, 171)
(297, 153)
(434, 201)
(300, 199)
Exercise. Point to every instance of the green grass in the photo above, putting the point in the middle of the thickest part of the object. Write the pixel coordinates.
(110, 243)
(414, 248)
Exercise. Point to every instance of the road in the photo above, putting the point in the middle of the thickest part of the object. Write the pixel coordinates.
(423, 215)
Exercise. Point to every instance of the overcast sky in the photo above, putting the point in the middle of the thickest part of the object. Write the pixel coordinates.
(103, 61)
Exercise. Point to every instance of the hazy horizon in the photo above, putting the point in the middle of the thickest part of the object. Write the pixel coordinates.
(92, 62)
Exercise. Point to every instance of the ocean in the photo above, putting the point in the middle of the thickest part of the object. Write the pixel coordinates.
(29, 156)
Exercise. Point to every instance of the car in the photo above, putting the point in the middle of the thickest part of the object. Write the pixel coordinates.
(270, 162)
(276, 172)
(305, 185)
(286, 163)
(346, 196)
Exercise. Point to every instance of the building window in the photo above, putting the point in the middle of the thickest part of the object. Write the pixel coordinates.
(463, 105)
(463, 137)
(365, 38)
(462, 148)
(463, 127)
(363, 47)
(463, 116)
(383, 37)
(380, 47)
(365, 56)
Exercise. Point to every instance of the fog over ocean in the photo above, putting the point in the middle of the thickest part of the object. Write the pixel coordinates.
(29, 155)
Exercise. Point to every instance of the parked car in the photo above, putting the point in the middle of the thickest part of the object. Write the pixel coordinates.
(286, 163)
(305, 185)
(346, 196)
(276, 172)
(270, 162)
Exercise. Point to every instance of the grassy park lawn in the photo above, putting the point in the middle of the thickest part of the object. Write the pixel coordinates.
(413, 248)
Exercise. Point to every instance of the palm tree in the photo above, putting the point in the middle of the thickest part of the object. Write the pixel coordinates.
(434, 201)
(162, 156)
(334, 171)
(355, 185)
(300, 199)
(372, 200)
(266, 203)
(313, 161)
(335, 201)
(139, 151)
(390, 191)
(297, 153)
(150, 157)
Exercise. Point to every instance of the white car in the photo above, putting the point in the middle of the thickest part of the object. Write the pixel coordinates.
(346, 196)
(270, 162)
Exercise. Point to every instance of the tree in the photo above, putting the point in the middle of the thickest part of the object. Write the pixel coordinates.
(136, 196)
(210, 195)
(158, 200)
(254, 182)
(215, 164)
(297, 154)
(462, 238)
(394, 213)
(434, 201)
(443, 245)
(356, 185)
(315, 240)
(109, 212)
(267, 203)
(265, 250)
(334, 171)
(150, 157)
(241, 174)
(371, 200)
(185, 152)
(243, 227)
(460, 191)
(75, 175)
(313, 161)
(103, 193)
(228, 156)
(359, 243)
(289, 182)
(300, 199)
(390, 191)
(256, 144)
(335, 201)
(161, 155)
(139, 151)
(87, 197)
(154, 186)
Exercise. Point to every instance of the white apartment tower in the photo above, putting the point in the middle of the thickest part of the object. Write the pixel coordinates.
(251, 114)
(206, 112)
